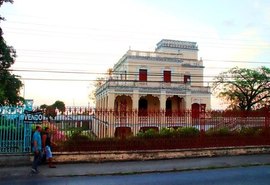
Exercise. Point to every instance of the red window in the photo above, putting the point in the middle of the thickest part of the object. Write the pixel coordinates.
(187, 79)
(143, 75)
(167, 76)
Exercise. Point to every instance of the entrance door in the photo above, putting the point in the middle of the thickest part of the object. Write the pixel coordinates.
(123, 112)
(168, 107)
(195, 110)
(143, 105)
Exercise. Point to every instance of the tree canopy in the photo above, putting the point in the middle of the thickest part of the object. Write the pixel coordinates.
(244, 89)
(10, 84)
(50, 110)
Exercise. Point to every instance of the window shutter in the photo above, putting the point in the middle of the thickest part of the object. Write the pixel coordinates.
(143, 75)
(187, 79)
(167, 76)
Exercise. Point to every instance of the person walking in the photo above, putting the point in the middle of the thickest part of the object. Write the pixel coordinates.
(46, 143)
(37, 149)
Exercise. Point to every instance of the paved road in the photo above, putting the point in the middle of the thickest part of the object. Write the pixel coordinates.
(131, 167)
(256, 175)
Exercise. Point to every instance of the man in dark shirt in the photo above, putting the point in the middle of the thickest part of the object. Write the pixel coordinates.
(46, 143)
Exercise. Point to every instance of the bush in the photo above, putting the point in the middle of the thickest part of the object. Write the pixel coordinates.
(188, 131)
(150, 133)
(223, 131)
(170, 132)
(167, 132)
(78, 135)
(250, 131)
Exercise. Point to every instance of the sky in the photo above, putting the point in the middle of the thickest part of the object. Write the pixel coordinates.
(64, 45)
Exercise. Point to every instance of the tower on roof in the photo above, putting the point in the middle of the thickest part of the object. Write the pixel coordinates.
(185, 48)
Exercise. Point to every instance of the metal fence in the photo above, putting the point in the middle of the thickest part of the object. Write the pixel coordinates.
(83, 129)
(203, 121)
(14, 133)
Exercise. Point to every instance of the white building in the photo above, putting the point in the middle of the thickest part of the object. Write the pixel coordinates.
(169, 78)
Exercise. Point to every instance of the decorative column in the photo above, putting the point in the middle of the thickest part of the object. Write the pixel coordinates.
(135, 107)
(163, 106)
(135, 100)
(110, 116)
(111, 99)
(188, 101)
(163, 100)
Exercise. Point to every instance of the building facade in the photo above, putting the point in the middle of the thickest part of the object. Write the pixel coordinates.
(170, 79)
(152, 88)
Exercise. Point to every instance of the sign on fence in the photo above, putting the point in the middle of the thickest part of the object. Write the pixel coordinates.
(33, 116)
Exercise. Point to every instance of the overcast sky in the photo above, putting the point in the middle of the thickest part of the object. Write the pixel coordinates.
(81, 39)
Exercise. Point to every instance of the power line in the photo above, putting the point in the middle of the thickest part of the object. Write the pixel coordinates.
(112, 30)
(156, 65)
(58, 79)
(115, 73)
(91, 80)
(113, 38)
(63, 52)
(48, 71)
(71, 34)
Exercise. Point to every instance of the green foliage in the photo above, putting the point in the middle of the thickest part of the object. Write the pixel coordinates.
(43, 106)
(170, 132)
(150, 133)
(188, 131)
(223, 131)
(244, 89)
(167, 132)
(60, 106)
(10, 84)
(50, 110)
(250, 131)
(78, 135)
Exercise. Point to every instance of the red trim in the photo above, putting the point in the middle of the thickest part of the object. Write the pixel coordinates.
(167, 76)
(143, 75)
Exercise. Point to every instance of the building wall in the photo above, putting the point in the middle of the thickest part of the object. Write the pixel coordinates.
(129, 69)
(184, 53)
(179, 57)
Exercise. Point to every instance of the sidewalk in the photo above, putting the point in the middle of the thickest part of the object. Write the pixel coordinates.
(113, 168)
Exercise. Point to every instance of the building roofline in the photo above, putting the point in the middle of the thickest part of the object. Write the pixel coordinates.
(177, 44)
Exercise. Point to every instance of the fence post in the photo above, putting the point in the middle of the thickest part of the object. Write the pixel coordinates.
(267, 118)
(135, 123)
(27, 128)
(202, 118)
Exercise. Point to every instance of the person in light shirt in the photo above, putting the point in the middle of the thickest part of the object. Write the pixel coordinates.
(37, 149)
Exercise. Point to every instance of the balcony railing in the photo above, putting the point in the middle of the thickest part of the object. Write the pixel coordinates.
(152, 85)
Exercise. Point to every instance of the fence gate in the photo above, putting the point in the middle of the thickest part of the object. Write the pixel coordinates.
(15, 134)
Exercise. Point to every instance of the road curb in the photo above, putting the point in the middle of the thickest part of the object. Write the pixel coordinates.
(107, 156)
